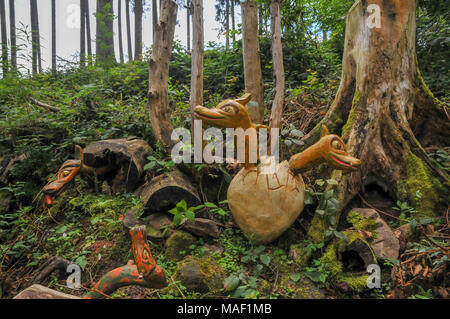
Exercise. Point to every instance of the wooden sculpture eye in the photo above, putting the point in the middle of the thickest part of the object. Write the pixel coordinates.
(228, 109)
(337, 145)
(65, 173)
(145, 254)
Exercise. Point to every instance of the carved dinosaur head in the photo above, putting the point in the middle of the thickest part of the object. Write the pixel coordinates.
(331, 149)
(227, 114)
(65, 175)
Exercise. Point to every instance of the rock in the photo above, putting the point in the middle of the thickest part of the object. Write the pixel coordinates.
(299, 255)
(177, 243)
(41, 292)
(211, 249)
(265, 205)
(303, 288)
(357, 255)
(154, 223)
(386, 244)
(200, 274)
(201, 227)
(130, 220)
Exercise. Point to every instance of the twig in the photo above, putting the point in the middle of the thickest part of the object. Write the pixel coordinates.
(44, 105)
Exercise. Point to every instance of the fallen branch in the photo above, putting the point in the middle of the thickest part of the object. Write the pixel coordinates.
(52, 264)
(44, 105)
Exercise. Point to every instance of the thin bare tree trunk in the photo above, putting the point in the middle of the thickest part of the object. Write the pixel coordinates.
(278, 67)
(227, 24)
(130, 48)
(12, 27)
(119, 21)
(252, 60)
(233, 22)
(188, 21)
(158, 95)
(35, 37)
(196, 97)
(138, 10)
(4, 38)
(53, 36)
(154, 17)
(82, 33)
(88, 32)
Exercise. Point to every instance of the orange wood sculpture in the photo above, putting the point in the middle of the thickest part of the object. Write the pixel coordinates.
(265, 205)
(142, 271)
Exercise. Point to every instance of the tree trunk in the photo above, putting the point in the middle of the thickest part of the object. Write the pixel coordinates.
(252, 61)
(138, 10)
(35, 37)
(105, 34)
(227, 24)
(154, 17)
(196, 97)
(88, 32)
(4, 38)
(53, 36)
(188, 22)
(12, 30)
(233, 22)
(130, 48)
(382, 109)
(158, 97)
(278, 67)
(82, 33)
(119, 21)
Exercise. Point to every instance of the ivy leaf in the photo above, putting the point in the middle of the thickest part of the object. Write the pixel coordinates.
(295, 277)
(265, 259)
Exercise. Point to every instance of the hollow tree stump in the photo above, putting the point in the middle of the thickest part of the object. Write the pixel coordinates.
(163, 192)
(120, 162)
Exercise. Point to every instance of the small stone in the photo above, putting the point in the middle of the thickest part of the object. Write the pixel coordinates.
(130, 220)
(178, 243)
(200, 274)
(201, 227)
(385, 245)
(211, 249)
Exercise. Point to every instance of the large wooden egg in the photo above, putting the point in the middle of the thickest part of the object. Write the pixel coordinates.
(265, 205)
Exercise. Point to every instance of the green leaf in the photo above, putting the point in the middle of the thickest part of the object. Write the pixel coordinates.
(320, 182)
(231, 283)
(320, 212)
(332, 181)
(295, 277)
(265, 259)
(340, 235)
(177, 219)
(190, 215)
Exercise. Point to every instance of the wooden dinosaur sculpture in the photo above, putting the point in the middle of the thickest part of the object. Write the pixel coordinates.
(265, 205)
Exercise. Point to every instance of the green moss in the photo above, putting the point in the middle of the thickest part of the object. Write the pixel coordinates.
(302, 289)
(357, 284)
(330, 259)
(357, 98)
(418, 178)
(360, 222)
(177, 245)
(316, 230)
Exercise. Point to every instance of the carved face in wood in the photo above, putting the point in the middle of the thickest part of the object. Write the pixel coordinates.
(331, 149)
(146, 265)
(227, 114)
(65, 175)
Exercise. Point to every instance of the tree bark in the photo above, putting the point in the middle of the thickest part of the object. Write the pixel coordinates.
(105, 34)
(382, 109)
(130, 48)
(5, 66)
(233, 22)
(158, 97)
(13, 37)
(35, 38)
(188, 22)
(53, 35)
(154, 17)
(252, 61)
(196, 97)
(82, 33)
(278, 67)
(227, 24)
(119, 21)
(88, 32)
(138, 10)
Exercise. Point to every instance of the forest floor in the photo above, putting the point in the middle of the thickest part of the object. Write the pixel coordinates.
(85, 224)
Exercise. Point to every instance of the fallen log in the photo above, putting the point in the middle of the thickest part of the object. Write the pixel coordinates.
(163, 192)
(119, 161)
